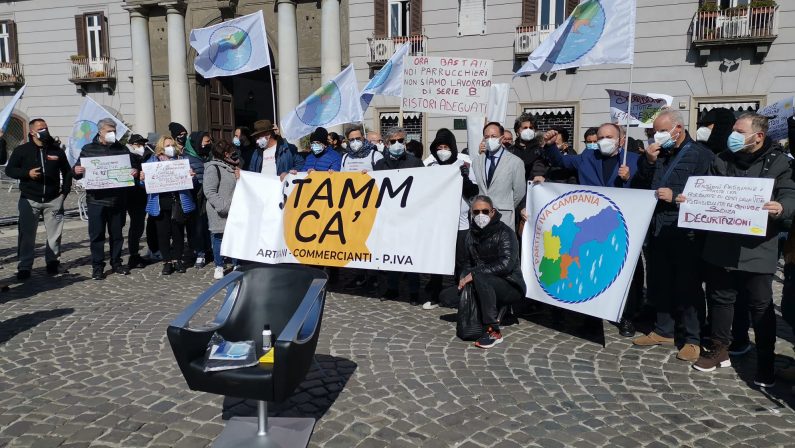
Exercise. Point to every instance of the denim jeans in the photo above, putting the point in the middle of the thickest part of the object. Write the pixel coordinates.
(217, 257)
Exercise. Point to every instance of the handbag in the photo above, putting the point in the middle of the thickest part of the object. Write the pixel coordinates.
(177, 214)
(469, 326)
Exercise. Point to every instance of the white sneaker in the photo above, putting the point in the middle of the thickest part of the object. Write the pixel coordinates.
(199, 263)
(218, 274)
(430, 305)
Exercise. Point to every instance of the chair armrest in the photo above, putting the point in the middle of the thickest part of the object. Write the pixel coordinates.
(223, 313)
(294, 327)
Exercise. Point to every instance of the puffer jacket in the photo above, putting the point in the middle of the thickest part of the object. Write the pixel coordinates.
(153, 200)
(747, 252)
(494, 250)
(219, 186)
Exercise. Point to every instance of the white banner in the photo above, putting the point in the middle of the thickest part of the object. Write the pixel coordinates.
(5, 114)
(171, 175)
(397, 220)
(726, 204)
(780, 111)
(451, 86)
(85, 128)
(645, 108)
(581, 245)
(107, 172)
(231, 47)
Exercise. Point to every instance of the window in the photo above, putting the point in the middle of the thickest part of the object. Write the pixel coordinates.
(399, 18)
(412, 123)
(92, 35)
(551, 12)
(732, 3)
(737, 108)
(546, 117)
(8, 42)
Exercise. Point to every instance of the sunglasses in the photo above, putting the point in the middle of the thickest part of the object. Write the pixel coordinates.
(396, 140)
(481, 212)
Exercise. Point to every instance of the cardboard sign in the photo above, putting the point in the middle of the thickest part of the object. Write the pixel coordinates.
(644, 110)
(451, 86)
(171, 175)
(107, 172)
(777, 126)
(726, 204)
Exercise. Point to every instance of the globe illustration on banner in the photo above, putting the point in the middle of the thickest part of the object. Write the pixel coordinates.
(585, 29)
(580, 246)
(83, 133)
(380, 78)
(230, 48)
(322, 106)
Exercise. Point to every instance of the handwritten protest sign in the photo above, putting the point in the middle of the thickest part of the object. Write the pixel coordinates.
(171, 175)
(454, 86)
(777, 127)
(726, 204)
(107, 172)
(645, 108)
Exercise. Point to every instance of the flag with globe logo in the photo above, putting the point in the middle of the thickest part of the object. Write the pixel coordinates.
(336, 102)
(584, 244)
(389, 80)
(85, 128)
(597, 32)
(232, 47)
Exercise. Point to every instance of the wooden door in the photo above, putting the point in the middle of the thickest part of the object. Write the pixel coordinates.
(220, 110)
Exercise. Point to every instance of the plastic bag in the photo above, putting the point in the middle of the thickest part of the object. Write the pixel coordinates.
(224, 355)
(468, 322)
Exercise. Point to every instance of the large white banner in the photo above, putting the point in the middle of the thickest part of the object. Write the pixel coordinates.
(231, 47)
(581, 245)
(645, 108)
(445, 85)
(171, 175)
(398, 220)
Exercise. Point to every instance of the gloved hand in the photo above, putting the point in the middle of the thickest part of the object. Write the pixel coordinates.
(464, 170)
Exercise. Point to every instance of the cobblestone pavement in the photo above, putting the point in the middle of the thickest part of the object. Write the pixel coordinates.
(85, 363)
(9, 199)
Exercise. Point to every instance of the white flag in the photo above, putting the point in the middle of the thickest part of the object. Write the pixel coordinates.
(336, 102)
(85, 128)
(5, 114)
(232, 47)
(389, 80)
(497, 109)
(597, 32)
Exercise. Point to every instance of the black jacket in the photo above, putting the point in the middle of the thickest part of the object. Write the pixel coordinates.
(531, 154)
(746, 252)
(52, 161)
(560, 175)
(494, 250)
(444, 136)
(696, 160)
(3, 151)
(405, 161)
(111, 197)
(791, 134)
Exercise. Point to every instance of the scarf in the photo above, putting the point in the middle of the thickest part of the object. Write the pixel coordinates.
(363, 152)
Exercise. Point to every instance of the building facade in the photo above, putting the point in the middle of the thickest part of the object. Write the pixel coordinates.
(735, 54)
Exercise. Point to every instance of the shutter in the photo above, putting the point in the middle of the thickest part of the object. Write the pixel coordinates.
(529, 14)
(80, 31)
(104, 43)
(13, 48)
(570, 5)
(415, 21)
(379, 19)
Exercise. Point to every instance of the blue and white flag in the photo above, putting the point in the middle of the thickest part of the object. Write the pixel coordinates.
(597, 32)
(334, 103)
(389, 80)
(5, 114)
(85, 128)
(236, 46)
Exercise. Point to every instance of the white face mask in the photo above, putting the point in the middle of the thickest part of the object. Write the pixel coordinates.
(703, 133)
(137, 150)
(379, 147)
(481, 220)
(344, 145)
(262, 142)
(528, 134)
(493, 144)
(356, 145)
(607, 146)
(169, 151)
(110, 137)
(661, 137)
(444, 155)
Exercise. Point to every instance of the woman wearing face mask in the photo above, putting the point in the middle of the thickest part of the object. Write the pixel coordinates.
(242, 140)
(197, 151)
(335, 142)
(170, 211)
(491, 266)
(321, 158)
(136, 203)
(360, 155)
(714, 128)
(220, 177)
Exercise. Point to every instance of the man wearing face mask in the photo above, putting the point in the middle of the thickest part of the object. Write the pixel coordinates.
(674, 254)
(107, 209)
(360, 155)
(39, 165)
(528, 148)
(714, 128)
(272, 155)
(743, 264)
(136, 203)
(321, 157)
(374, 137)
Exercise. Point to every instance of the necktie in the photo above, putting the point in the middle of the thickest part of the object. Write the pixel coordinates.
(492, 168)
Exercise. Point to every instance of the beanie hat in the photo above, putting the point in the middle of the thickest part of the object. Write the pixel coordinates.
(320, 135)
(176, 129)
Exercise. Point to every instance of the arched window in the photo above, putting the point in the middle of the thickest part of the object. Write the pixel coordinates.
(16, 132)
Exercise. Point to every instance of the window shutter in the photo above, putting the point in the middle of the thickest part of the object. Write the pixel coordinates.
(416, 17)
(379, 19)
(80, 31)
(529, 15)
(104, 43)
(13, 49)
(570, 5)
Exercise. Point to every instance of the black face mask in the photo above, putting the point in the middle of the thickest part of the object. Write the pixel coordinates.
(44, 136)
(182, 139)
(204, 150)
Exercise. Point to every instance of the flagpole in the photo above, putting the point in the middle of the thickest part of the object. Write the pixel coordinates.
(629, 113)
(273, 93)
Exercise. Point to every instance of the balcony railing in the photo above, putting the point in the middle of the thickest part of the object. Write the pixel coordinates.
(745, 24)
(11, 74)
(88, 70)
(381, 49)
(528, 38)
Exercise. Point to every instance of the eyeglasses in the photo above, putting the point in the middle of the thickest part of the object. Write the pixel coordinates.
(396, 140)
(481, 212)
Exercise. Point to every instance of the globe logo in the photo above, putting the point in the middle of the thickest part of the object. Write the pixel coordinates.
(230, 48)
(380, 78)
(83, 133)
(322, 106)
(580, 246)
(583, 32)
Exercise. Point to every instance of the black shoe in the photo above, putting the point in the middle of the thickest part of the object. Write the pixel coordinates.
(23, 275)
(52, 267)
(135, 261)
(414, 299)
(97, 274)
(626, 328)
(121, 270)
(390, 294)
(168, 268)
(180, 267)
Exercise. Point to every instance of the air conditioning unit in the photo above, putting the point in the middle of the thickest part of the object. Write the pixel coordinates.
(524, 42)
(381, 51)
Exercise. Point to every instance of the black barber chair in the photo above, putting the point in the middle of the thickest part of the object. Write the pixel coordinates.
(290, 299)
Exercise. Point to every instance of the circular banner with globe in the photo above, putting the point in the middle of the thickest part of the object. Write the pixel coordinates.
(82, 134)
(322, 106)
(380, 78)
(230, 48)
(586, 25)
(580, 246)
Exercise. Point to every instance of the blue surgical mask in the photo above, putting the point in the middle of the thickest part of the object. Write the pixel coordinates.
(236, 141)
(317, 148)
(592, 146)
(736, 142)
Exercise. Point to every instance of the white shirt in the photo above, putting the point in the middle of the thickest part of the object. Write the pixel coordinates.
(269, 161)
(463, 217)
(350, 164)
(497, 157)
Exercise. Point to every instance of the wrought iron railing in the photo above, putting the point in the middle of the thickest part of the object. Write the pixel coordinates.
(528, 38)
(381, 49)
(93, 69)
(736, 24)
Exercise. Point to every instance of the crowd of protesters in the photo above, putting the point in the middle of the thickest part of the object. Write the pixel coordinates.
(706, 289)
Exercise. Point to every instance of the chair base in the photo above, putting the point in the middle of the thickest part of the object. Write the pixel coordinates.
(283, 432)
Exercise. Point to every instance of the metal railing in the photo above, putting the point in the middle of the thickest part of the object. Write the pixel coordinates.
(11, 73)
(528, 38)
(736, 24)
(381, 49)
(95, 69)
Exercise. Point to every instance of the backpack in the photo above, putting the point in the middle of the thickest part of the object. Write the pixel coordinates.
(469, 326)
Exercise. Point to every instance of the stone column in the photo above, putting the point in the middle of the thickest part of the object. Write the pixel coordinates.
(142, 72)
(330, 48)
(288, 58)
(178, 90)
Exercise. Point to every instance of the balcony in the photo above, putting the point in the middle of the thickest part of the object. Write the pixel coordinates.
(528, 38)
(87, 71)
(743, 25)
(11, 75)
(381, 49)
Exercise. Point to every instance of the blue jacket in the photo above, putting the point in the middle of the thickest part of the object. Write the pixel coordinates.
(285, 159)
(328, 160)
(153, 200)
(589, 166)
